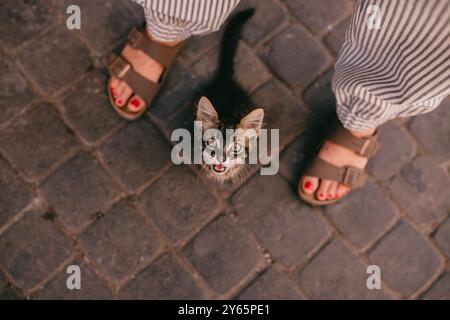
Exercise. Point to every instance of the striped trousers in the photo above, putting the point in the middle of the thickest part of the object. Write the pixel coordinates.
(394, 62)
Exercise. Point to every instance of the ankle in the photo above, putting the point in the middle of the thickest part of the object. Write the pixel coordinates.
(363, 134)
(162, 42)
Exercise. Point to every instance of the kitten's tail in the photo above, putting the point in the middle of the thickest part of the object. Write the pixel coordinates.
(230, 44)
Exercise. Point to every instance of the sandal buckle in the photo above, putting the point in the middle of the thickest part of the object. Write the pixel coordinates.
(124, 70)
(353, 177)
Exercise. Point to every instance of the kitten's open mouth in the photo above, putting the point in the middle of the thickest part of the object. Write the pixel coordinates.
(219, 168)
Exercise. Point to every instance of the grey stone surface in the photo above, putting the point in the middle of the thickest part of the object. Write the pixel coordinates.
(54, 59)
(36, 141)
(336, 273)
(406, 260)
(288, 228)
(165, 279)
(271, 285)
(422, 191)
(363, 214)
(295, 45)
(92, 287)
(178, 203)
(15, 194)
(136, 154)
(33, 248)
(223, 254)
(433, 131)
(119, 242)
(15, 91)
(320, 14)
(79, 190)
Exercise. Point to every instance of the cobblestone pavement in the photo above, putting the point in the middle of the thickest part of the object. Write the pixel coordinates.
(80, 186)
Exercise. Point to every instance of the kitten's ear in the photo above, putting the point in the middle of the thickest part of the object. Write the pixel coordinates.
(253, 120)
(207, 114)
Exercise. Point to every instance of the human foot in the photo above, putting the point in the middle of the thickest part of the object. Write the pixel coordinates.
(149, 59)
(339, 156)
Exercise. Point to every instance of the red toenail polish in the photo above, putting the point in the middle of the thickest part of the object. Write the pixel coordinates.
(321, 195)
(337, 196)
(119, 101)
(330, 196)
(135, 103)
(308, 185)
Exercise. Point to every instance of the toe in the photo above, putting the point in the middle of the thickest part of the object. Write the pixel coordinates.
(332, 190)
(342, 190)
(322, 191)
(113, 86)
(136, 104)
(309, 184)
(125, 93)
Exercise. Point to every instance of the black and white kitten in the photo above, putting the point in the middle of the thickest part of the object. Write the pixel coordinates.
(225, 105)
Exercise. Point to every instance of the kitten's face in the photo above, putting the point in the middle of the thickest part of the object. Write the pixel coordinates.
(234, 149)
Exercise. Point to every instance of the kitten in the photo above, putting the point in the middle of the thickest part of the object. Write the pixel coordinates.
(225, 105)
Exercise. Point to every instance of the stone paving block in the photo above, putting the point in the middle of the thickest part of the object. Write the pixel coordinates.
(281, 111)
(15, 194)
(433, 130)
(22, 20)
(296, 156)
(36, 140)
(289, 229)
(178, 203)
(442, 237)
(363, 214)
(54, 59)
(335, 274)
(223, 254)
(33, 248)
(179, 89)
(271, 285)
(440, 289)
(250, 72)
(197, 46)
(119, 242)
(165, 279)
(336, 37)
(320, 14)
(112, 17)
(206, 67)
(78, 190)
(295, 56)
(422, 191)
(136, 154)
(92, 287)
(87, 107)
(320, 98)
(15, 92)
(396, 149)
(10, 293)
(268, 16)
(406, 260)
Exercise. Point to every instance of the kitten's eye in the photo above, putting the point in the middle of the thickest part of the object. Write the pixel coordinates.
(238, 148)
(211, 142)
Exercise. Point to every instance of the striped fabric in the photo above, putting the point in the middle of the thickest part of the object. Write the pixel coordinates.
(175, 20)
(398, 70)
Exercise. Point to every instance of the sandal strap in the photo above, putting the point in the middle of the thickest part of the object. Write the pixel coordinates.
(366, 147)
(349, 176)
(140, 85)
(164, 55)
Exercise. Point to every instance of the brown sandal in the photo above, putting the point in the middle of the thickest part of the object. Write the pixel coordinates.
(350, 176)
(143, 87)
